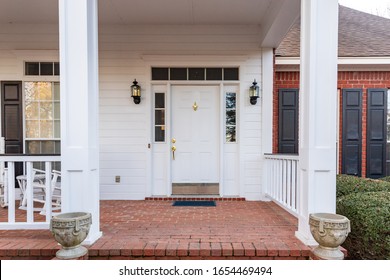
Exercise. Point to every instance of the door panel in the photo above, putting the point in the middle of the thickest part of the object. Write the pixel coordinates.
(288, 121)
(376, 132)
(352, 132)
(196, 133)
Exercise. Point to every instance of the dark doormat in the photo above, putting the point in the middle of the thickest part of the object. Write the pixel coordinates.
(195, 203)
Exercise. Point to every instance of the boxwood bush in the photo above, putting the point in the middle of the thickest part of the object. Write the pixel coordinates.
(347, 184)
(369, 213)
(387, 179)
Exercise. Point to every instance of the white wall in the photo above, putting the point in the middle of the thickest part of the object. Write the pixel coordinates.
(127, 53)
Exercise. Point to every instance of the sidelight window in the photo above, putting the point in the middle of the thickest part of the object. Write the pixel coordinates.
(231, 120)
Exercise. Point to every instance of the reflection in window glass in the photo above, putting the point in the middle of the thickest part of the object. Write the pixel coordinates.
(230, 134)
(231, 122)
(159, 117)
(42, 117)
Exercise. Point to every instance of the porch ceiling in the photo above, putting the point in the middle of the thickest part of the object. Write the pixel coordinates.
(271, 15)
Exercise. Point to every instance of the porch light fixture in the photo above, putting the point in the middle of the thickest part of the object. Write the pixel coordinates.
(136, 92)
(254, 92)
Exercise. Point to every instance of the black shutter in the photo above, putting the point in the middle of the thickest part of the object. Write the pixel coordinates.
(352, 132)
(288, 121)
(12, 122)
(376, 132)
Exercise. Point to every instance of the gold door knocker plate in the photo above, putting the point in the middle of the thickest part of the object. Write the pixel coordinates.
(195, 106)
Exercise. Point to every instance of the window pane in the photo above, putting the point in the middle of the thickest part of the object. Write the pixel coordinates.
(230, 74)
(159, 117)
(32, 129)
(45, 91)
(46, 110)
(159, 135)
(159, 100)
(32, 68)
(231, 117)
(46, 129)
(159, 74)
(231, 134)
(56, 89)
(230, 100)
(196, 74)
(178, 74)
(33, 147)
(47, 68)
(56, 69)
(57, 129)
(31, 90)
(47, 147)
(57, 147)
(57, 110)
(214, 74)
(32, 110)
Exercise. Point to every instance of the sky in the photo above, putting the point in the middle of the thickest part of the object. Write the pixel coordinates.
(376, 7)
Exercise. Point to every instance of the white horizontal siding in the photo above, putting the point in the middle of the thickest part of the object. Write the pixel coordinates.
(250, 132)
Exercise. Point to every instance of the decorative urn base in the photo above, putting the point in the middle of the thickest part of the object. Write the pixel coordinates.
(70, 230)
(330, 231)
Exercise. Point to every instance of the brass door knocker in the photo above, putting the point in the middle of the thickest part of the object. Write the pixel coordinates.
(195, 106)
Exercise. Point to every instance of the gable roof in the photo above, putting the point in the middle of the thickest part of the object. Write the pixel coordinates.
(360, 35)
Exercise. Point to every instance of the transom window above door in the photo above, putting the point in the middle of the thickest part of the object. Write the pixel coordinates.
(195, 74)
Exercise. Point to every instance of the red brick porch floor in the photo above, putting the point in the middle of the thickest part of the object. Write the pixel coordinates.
(156, 230)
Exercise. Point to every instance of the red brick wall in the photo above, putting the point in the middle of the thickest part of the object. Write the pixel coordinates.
(346, 79)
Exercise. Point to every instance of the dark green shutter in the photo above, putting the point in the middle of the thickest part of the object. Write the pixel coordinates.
(376, 132)
(288, 121)
(12, 121)
(352, 132)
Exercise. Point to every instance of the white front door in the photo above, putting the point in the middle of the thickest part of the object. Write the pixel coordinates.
(195, 133)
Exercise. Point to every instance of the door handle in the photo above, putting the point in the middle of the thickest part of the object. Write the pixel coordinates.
(173, 152)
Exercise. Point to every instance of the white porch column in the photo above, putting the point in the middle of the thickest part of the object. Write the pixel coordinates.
(79, 109)
(267, 86)
(318, 102)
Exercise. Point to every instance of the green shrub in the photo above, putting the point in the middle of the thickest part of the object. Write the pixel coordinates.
(347, 184)
(369, 213)
(387, 179)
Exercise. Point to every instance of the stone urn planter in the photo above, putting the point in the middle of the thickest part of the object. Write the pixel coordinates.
(330, 231)
(70, 229)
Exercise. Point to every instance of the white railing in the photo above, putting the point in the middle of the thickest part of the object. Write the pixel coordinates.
(282, 180)
(21, 203)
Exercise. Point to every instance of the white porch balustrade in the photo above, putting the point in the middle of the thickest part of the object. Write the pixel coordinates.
(31, 185)
(282, 180)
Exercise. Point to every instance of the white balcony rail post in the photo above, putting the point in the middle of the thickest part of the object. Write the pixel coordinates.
(48, 194)
(29, 192)
(11, 192)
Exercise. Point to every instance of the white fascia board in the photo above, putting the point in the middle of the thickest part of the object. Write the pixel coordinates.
(344, 63)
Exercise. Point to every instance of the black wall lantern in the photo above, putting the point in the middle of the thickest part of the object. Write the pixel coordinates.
(136, 92)
(254, 93)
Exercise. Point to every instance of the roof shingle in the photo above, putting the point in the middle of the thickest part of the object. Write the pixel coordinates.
(360, 35)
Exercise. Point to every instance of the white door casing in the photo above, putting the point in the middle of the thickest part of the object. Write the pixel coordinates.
(196, 133)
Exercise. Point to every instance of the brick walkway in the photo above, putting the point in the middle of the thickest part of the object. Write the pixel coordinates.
(155, 229)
